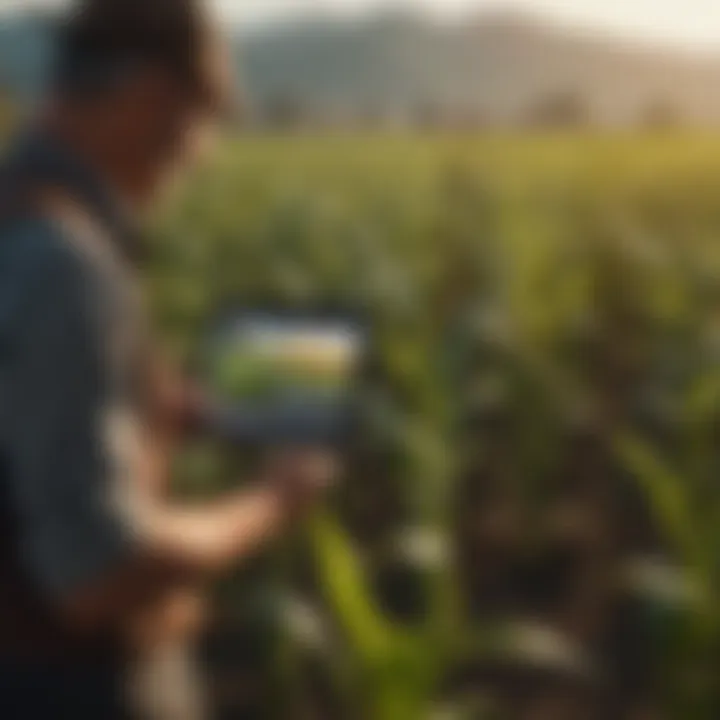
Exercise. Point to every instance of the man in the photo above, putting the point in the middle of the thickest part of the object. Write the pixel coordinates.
(99, 571)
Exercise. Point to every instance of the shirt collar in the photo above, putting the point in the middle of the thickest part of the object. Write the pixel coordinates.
(38, 159)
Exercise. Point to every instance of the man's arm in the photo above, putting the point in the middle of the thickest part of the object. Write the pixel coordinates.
(181, 547)
(76, 454)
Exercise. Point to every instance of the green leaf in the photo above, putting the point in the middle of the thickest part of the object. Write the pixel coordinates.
(347, 591)
(668, 495)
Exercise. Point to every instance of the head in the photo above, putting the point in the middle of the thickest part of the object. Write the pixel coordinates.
(139, 88)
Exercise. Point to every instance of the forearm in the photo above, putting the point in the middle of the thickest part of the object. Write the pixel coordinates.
(202, 541)
(179, 548)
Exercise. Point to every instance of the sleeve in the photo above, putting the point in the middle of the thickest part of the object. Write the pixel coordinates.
(63, 473)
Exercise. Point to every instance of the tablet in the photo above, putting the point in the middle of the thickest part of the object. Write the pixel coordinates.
(283, 377)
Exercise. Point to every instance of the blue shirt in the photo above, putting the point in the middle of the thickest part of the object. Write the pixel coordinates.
(70, 347)
(66, 412)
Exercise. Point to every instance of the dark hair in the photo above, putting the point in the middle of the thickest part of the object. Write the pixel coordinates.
(102, 40)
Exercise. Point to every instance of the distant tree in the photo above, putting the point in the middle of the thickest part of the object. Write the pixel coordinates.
(469, 119)
(429, 115)
(284, 113)
(371, 115)
(565, 109)
(661, 114)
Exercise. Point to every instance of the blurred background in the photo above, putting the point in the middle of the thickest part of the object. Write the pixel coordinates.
(525, 198)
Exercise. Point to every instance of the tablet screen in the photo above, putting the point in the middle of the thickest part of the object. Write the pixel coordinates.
(280, 374)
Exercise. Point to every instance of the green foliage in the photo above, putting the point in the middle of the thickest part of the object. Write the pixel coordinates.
(546, 312)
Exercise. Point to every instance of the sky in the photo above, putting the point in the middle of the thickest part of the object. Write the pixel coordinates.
(686, 22)
(690, 23)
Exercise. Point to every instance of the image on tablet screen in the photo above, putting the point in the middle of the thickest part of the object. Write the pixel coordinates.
(262, 360)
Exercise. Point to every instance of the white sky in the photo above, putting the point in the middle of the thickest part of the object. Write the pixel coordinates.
(688, 22)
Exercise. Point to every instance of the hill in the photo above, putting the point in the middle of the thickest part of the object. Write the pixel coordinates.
(497, 67)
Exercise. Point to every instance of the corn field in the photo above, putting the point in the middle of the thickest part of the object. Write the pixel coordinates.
(530, 523)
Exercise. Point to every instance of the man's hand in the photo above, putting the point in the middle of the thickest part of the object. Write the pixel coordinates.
(302, 476)
(174, 412)
(177, 403)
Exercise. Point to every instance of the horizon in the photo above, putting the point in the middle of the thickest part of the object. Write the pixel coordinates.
(690, 25)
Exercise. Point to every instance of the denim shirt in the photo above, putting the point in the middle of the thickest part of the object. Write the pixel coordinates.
(64, 405)
(70, 331)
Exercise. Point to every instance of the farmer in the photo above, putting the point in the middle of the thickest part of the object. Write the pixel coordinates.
(101, 575)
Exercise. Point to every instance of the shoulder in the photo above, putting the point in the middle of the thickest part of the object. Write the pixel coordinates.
(38, 248)
(51, 252)
(45, 276)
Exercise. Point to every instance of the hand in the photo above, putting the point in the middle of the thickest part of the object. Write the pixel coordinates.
(303, 476)
(180, 614)
(174, 413)
(178, 404)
